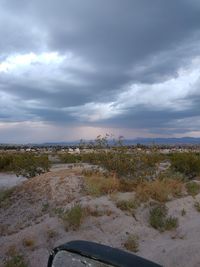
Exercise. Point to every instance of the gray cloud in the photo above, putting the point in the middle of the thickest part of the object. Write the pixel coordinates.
(104, 49)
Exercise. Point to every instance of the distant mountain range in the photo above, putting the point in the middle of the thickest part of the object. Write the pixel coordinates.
(144, 141)
(164, 141)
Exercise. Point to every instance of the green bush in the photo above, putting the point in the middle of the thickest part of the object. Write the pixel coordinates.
(70, 158)
(186, 163)
(124, 164)
(25, 164)
(6, 162)
(14, 258)
(5, 196)
(30, 165)
(171, 223)
(193, 188)
(73, 218)
(158, 219)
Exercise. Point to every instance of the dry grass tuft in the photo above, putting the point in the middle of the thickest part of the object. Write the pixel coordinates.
(51, 233)
(28, 242)
(132, 243)
(159, 190)
(127, 205)
(193, 188)
(98, 185)
(14, 258)
(73, 218)
(128, 185)
(96, 212)
(5, 197)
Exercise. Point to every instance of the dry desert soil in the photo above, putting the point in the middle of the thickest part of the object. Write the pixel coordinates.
(31, 223)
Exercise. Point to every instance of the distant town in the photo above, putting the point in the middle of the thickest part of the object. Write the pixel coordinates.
(162, 145)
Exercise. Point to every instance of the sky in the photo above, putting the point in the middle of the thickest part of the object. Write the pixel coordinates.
(72, 69)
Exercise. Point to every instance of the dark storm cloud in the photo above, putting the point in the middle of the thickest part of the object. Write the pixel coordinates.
(115, 35)
(114, 45)
(145, 117)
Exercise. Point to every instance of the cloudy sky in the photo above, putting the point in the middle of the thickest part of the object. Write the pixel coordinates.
(72, 69)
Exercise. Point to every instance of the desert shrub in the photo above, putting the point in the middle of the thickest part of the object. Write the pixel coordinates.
(132, 243)
(73, 218)
(5, 195)
(127, 205)
(6, 162)
(197, 206)
(95, 212)
(51, 233)
(98, 185)
(58, 211)
(171, 223)
(119, 163)
(193, 188)
(28, 242)
(127, 184)
(70, 158)
(158, 219)
(173, 175)
(159, 190)
(14, 258)
(123, 164)
(30, 165)
(45, 207)
(26, 164)
(183, 212)
(186, 163)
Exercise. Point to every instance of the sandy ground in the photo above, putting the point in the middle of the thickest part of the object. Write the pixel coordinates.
(32, 215)
(8, 180)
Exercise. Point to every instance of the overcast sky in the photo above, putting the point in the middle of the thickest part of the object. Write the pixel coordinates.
(72, 69)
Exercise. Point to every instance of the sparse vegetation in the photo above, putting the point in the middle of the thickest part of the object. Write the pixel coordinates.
(73, 218)
(123, 164)
(45, 207)
(51, 233)
(197, 206)
(14, 258)
(193, 188)
(29, 242)
(132, 243)
(70, 158)
(97, 185)
(183, 212)
(158, 219)
(5, 196)
(58, 212)
(186, 163)
(171, 223)
(116, 169)
(25, 164)
(128, 184)
(96, 212)
(160, 190)
(127, 205)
